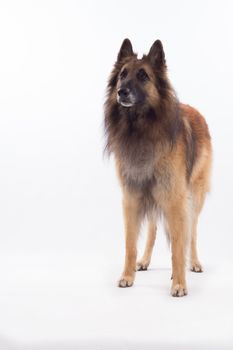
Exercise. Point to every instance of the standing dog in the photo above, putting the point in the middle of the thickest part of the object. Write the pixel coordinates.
(163, 152)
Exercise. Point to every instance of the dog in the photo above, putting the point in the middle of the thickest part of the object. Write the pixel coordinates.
(162, 150)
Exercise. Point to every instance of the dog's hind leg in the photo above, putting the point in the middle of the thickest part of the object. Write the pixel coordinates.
(200, 186)
(195, 263)
(145, 260)
(198, 201)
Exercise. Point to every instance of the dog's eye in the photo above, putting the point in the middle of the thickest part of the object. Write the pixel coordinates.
(123, 74)
(142, 75)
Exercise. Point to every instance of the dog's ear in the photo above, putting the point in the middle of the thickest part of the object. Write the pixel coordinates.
(156, 55)
(126, 50)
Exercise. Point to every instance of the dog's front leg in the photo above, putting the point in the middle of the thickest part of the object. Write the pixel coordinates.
(132, 219)
(177, 219)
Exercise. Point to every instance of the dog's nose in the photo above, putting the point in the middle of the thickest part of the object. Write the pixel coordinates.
(123, 92)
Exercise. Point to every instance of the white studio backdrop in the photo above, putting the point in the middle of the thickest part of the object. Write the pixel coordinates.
(61, 226)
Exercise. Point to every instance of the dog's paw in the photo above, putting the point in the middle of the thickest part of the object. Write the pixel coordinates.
(196, 267)
(125, 281)
(142, 265)
(179, 290)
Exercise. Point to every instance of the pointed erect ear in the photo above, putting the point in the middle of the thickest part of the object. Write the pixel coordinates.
(126, 50)
(156, 54)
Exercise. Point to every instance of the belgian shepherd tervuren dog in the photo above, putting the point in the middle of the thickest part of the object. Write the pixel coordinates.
(163, 152)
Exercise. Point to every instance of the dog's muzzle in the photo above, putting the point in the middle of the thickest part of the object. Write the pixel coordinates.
(125, 97)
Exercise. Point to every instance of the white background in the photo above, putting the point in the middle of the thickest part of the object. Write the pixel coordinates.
(61, 227)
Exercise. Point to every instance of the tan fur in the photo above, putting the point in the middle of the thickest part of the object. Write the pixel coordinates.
(151, 236)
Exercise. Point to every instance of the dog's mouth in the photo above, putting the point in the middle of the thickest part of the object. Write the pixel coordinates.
(126, 102)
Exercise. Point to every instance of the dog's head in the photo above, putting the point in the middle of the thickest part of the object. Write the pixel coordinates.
(139, 82)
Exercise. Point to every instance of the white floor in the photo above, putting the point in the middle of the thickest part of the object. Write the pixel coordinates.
(61, 302)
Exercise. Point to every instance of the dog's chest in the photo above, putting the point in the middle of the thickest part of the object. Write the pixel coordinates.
(144, 168)
(137, 162)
